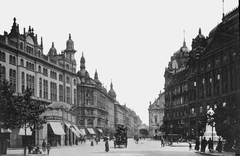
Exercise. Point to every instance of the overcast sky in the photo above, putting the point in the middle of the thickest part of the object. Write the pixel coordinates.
(127, 41)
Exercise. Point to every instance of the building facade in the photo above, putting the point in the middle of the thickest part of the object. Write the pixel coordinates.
(203, 78)
(78, 105)
(52, 77)
(156, 114)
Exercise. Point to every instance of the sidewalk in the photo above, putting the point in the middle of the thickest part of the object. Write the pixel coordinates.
(185, 144)
(19, 151)
(216, 153)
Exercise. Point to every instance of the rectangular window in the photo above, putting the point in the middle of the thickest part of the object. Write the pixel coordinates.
(60, 77)
(68, 80)
(68, 95)
(75, 97)
(61, 93)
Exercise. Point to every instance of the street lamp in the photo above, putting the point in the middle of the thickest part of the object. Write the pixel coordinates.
(210, 119)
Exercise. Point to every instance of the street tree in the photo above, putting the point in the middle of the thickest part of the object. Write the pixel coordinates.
(19, 111)
(227, 119)
(7, 109)
(28, 113)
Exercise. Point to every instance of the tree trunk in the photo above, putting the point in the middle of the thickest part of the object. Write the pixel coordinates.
(1, 142)
(25, 129)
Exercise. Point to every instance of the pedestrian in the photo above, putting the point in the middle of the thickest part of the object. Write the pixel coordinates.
(210, 145)
(197, 143)
(106, 146)
(29, 147)
(203, 145)
(190, 146)
(44, 145)
(219, 146)
(162, 142)
(48, 148)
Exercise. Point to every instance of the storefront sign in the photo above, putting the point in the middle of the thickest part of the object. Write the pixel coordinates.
(53, 117)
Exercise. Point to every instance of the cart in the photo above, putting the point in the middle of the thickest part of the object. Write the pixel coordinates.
(121, 136)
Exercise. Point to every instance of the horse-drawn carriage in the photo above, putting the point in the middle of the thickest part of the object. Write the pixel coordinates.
(121, 136)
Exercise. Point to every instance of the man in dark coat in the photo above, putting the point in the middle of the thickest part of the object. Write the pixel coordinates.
(210, 145)
(203, 145)
(197, 143)
(219, 146)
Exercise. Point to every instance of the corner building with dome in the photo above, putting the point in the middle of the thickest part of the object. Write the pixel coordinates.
(77, 105)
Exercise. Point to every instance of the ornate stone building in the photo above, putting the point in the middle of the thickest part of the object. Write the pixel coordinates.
(52, 78)
(156, 114)
(203, 78)
(96, 106)
(77, 104)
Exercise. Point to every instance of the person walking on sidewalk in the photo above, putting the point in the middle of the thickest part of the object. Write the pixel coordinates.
(190, 146)
(106, 146)
(197, 143)
(203, 145)
(210, 145)
(48, 148)
(219, 146)
(44, 145)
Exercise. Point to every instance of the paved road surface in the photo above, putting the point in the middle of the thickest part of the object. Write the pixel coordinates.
(143, 148)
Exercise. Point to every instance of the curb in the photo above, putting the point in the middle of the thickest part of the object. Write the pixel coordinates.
(215, 154)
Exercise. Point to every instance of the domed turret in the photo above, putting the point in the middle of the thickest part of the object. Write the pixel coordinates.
(70, 51)
(82, 66)
(52, 50)
(111, 92)
(70, 44)
(199, 41)
(96, 78)
(184, 49)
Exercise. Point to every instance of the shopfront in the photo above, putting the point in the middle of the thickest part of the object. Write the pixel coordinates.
(59, 129)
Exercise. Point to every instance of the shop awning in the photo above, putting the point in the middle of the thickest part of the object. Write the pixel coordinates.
(90, 130)
(76, 128)
(22, 131)
(57, 128)
(68, 125)
(83, 131)
(75, 132)
(5, 130)
(100, 130)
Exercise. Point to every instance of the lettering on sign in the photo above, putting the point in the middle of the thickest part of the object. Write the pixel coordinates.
(53, 117)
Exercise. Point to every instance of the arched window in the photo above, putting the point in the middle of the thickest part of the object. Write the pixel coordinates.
(2, 56)
(39, 69)
(23, 82)
(10, 59)
(22, 62)
(10, 72)
(13, 60)
(3, 73)
(21, 45)
(74, 82)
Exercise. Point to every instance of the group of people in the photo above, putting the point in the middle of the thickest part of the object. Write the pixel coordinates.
(36, 150)
(204, 143)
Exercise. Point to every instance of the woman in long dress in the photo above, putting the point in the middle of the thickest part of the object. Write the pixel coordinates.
(106, 146)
